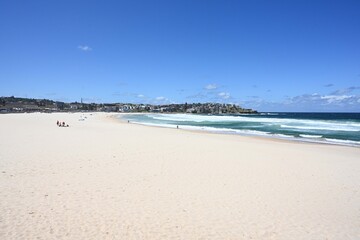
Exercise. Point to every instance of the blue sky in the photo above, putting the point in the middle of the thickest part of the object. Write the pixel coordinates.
(268, 55)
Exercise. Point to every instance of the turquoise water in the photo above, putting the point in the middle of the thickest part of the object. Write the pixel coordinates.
(331, 128)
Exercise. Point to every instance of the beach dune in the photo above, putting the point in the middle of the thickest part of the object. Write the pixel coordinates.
(101, 178)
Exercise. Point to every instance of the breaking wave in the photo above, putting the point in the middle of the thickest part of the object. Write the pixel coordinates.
(333, 129)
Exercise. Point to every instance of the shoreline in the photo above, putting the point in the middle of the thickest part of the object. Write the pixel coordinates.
(268, 136)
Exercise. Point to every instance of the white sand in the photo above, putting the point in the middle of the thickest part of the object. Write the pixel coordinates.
(102, 179)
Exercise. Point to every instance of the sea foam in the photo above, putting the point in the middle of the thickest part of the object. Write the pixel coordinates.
(332, 131)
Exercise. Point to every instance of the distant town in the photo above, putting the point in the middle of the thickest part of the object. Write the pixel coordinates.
(22, 105)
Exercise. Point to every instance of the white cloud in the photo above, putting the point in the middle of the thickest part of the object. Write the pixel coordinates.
(224, 95)
(308, 102)
(140, 96)
(317, 99)
(211, 87)
(160, 98)
(335, 98)
(85, 48)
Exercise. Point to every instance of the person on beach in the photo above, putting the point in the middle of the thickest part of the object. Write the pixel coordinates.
(62, 124)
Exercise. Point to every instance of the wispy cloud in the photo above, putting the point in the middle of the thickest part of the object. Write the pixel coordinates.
(197, 96)
(224, 95)
(92, 100)
(140, 96)
(354, 88)
(308, 102)
(160, 98)
(345, 90)
(329, 85)
(335, 98)
(333, 102)
(84, 48)
(211, 93)
(211, 87)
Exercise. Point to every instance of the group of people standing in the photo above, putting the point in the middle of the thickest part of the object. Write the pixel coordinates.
(62, 124)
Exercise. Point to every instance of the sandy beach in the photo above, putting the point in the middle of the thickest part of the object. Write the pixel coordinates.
(102, 178)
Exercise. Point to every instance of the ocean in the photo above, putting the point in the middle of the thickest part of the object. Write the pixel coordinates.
(329, 128)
